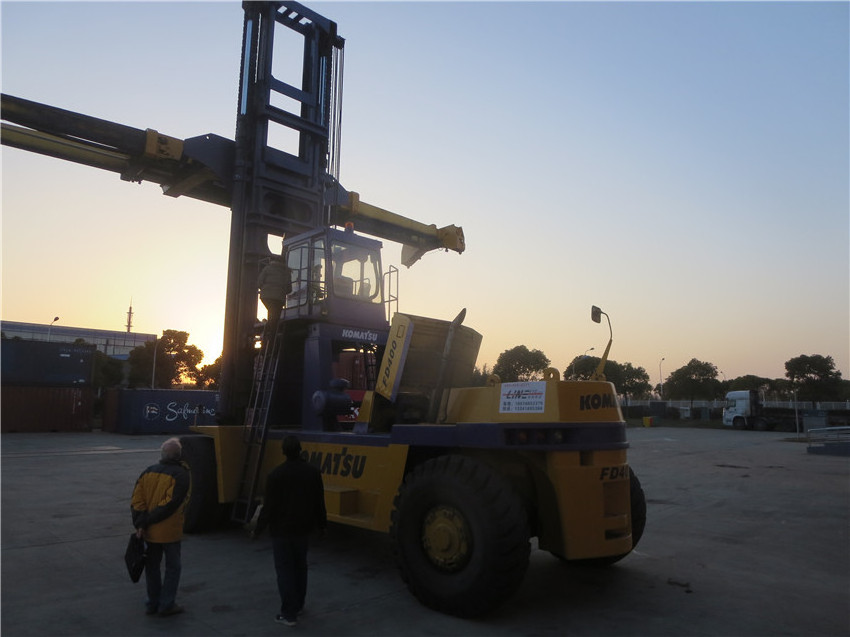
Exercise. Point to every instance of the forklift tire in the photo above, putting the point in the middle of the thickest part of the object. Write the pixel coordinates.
(201, 513)
(461, 535)
(637, 500)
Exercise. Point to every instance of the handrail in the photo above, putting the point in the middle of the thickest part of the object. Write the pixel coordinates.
(828, 434)
(829, 441)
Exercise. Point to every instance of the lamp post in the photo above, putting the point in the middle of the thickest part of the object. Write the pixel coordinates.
(573, 365)
(153, 367)
(796, 416)
(583, 356)
(660, 380)
(49, 327)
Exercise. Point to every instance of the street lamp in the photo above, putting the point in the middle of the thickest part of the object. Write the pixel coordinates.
(573, 364)
(153, 367)
(660, 379)
(49, 327)
(796, 416)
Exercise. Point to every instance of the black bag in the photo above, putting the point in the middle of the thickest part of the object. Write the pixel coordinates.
(135, 556)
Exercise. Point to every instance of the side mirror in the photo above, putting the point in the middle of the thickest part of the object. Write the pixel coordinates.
(596, 314)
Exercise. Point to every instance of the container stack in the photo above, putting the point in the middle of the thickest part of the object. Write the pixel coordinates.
(46, 386)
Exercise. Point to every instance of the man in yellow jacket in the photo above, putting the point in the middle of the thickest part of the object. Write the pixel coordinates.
(159, 499)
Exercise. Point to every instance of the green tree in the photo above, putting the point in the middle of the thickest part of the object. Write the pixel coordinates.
(696, 380)
(108, 371)
(581, 368)
(748, 382)
(629, 380)
(814, 377)
(210, 375)
(176, 361)
(520, 364)
(480, 375)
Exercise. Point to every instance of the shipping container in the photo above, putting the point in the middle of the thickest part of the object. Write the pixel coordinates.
(34, 363)
(158, 411)
(31, 409)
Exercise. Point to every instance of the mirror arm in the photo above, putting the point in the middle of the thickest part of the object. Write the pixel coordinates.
(596, 315)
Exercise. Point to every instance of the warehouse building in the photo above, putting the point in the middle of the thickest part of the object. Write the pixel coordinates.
(113, 343)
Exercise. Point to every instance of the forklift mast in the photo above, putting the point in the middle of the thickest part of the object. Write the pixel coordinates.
(276, 191)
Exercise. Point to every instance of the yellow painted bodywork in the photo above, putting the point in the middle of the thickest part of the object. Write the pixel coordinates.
(398, 341)
(416, 238)
(591, 490)
(229, 456)
(565, 401)
(580, 498)
(360, 481)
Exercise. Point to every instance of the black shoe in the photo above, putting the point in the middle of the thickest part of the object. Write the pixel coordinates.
(280, 619)
(150, 610)
(174, 609)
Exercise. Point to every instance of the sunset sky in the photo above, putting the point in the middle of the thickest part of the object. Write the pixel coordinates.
(682, 165)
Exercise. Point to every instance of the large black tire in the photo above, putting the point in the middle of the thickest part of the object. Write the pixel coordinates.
(637, 501)
(462, 537)
(202, 511)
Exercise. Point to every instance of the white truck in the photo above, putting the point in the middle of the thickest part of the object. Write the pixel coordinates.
(744, 410)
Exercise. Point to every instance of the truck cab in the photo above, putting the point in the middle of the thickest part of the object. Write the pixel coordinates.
(744, 410)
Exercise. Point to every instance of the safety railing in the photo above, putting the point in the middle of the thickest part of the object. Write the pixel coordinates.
(835, 440)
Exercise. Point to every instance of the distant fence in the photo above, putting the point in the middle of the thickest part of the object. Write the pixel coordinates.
(802, 405)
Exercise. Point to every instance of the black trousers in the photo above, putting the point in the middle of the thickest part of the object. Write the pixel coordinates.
(290, 564)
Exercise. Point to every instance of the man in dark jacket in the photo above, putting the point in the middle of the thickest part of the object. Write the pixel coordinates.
(294, 507)
(159, 499)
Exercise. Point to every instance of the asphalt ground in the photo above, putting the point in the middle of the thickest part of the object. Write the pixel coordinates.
(747, 534)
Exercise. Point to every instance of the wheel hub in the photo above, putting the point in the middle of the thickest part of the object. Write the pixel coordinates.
(446, 538)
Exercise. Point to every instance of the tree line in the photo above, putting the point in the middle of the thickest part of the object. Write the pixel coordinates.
(171, 360)
(807, 377)
(168, 361)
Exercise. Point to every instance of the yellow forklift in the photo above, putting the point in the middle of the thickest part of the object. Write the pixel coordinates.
(462, 477)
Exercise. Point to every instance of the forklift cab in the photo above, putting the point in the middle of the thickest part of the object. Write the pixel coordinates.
(334, 327)
(335, 274)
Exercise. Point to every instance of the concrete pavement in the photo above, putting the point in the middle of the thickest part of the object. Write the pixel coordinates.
(747, 534)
